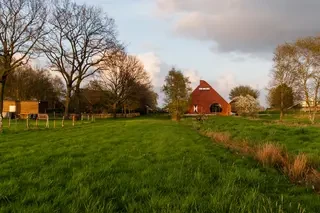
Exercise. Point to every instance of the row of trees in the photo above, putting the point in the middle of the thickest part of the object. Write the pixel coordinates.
(125, 83)
(79, 42)
(296, 74)
(27, 83)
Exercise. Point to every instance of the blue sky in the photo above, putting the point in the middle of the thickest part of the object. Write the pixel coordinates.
(226, 43)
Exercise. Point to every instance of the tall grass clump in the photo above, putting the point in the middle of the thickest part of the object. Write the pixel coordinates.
(314, 179)
(299, 168)
(271, 155)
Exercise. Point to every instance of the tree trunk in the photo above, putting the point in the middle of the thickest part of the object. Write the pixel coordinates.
(67, 102)
(77, 99)
(281, 103)
(281, 115)
(2, 83)
(114, 110)
(176, 117)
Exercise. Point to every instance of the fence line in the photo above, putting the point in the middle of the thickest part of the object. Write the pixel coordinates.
(34, 122)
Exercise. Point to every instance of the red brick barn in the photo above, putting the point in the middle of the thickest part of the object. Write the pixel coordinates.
(204, 99)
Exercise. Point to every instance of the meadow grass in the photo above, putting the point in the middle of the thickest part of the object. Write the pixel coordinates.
(295, 139)
(137, 165)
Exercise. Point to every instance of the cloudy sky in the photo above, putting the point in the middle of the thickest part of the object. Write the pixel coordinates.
(225, 42)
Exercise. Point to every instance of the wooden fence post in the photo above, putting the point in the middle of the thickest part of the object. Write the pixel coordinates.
(16, 122)
(62, 122)
(47, 124)
(54, 119)
(9, 120)
(27, 121)
(72, 120)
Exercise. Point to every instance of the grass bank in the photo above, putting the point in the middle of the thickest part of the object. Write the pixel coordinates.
(137, 165)
(296, 139)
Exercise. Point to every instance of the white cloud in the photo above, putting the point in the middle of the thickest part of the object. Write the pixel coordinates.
(158, 69)
(224, 83)
(249, 26)
(152, 64)
(193, 76)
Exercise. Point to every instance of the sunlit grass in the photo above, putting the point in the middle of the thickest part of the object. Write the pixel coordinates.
(136, 165)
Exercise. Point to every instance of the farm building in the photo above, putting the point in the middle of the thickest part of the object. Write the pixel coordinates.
(91, 101)
(204, 99)
(24, 108)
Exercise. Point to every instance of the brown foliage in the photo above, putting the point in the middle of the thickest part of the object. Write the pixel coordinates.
(271, 154)
(225, 139)
(219, 136)
(313, 179)
(299, 169)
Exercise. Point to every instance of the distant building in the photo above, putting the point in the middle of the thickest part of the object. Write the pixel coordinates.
(91, 101)
(304, 106)
(205, 100)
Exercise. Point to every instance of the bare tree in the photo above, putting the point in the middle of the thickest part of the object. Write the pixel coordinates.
(142, 99)
(80, 35)
(284, 73)
(22, 24)
(121, 74)
(298, 65)
(307, 60)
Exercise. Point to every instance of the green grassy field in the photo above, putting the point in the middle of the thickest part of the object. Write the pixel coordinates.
(137, 165)
(296, 139)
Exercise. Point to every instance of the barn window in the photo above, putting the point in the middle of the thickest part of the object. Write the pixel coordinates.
(195, 108)
(214, 108)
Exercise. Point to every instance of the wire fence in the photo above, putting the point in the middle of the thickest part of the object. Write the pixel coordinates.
(51, 121)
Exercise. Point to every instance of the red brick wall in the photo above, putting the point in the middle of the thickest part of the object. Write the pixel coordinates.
(205, 98)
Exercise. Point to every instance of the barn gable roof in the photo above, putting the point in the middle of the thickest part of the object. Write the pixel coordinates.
(204, 84)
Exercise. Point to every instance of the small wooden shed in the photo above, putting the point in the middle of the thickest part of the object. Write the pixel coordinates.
(23, 108)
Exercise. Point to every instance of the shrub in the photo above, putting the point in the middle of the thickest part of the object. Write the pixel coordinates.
(247, 106)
